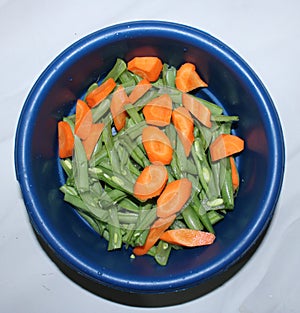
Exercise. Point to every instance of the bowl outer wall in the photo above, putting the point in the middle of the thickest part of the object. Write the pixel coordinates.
(70, 238)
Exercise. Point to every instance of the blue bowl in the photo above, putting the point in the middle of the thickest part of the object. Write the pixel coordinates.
(232, 84)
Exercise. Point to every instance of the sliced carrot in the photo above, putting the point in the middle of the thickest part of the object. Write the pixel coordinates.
(65, 140)
(139, 90)
(234, 174)
(155, 232)
(147, 67)
(158, 111)
(184, 125)
(225, 145)
(90, 142)
(119, 114)
(187, 79)
(151, 182)
(157, 145)
(188, 237)
(174, 197)
(83, 119)
(200, 111)
(100, 93)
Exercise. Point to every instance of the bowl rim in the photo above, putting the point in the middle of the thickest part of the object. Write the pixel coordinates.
(140, 28)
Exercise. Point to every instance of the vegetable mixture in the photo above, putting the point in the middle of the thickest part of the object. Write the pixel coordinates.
(149, 165)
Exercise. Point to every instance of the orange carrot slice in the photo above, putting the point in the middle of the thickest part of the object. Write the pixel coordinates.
(155, 232)
(65, 140)
(157, 145)
(225, 145)
(184, 125)
(147, 67)
(188, 237)
(151, 182)
(119, 114)
(200, 111)
(139, 90)
(158, 111)
(234, 174)
(187, 79)
(174, 197)
(90, 142)
(100, 93)
(83, 119)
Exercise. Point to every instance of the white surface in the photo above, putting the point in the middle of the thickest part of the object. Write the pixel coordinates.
(265, 33)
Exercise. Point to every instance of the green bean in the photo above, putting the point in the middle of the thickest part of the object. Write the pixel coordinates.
(91, 221)
(135, 152)
(112, 179)
(115, 237)
(191, 218)
(67, 166)
(80, 204)
(227, 188)
(127, 79)
(171, 133)
(133, 113)
(214, 108)
(147, 97)
(80, 166)
(214, 217)
(68, 189)
(169, 75)
(202, 214)
(127, 217)
(162, 252)
(224, 118)
(118, 68)
(101, 110)
(140, 238)
(129, 205)
(178, 224)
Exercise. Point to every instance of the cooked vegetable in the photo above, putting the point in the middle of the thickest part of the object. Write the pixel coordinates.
(234, 174)
(187, 79)
(149, 166)
(156, 230)
(117, 107)
(100, 93)
(83, 119)
(150, 182)
(89, 143)
(65, 140)
(147, 67)
(157, 145)
(139, 90)
(225, 145)
(184, 125)
(188, 237)
(174, 197)
(158, 111)
(199, 110)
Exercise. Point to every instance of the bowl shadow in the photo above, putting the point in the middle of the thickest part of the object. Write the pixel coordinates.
(148, 299)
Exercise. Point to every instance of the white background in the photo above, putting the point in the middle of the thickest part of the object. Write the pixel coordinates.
(265, 33)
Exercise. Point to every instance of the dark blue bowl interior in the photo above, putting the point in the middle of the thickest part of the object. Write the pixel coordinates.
(232, 84)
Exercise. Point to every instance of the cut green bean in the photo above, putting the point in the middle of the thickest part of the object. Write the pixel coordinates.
(101, 110)
(191, 218)
(118, 68)
(162, 252)
(115, 237)
(80, 166)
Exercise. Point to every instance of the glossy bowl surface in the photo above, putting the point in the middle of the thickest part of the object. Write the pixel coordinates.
(232, 84)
